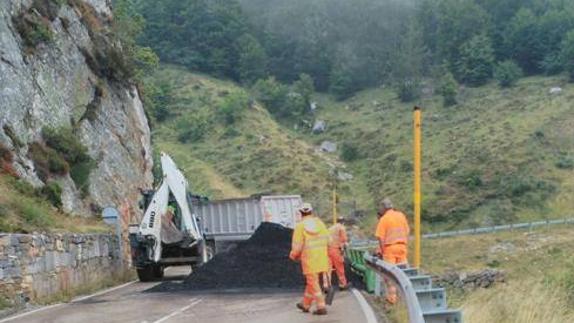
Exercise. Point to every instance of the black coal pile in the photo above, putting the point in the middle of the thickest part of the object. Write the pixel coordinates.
(260, 262)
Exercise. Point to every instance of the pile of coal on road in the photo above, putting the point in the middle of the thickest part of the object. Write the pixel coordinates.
(260, 262)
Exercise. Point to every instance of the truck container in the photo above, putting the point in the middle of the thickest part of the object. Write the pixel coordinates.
(237, 219)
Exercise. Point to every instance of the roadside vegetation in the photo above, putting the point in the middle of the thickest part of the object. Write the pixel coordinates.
(24, 209)
(538, 267)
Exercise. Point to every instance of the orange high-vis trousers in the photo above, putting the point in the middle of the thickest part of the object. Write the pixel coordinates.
(395, 254)
(338, 262)
(313, 292)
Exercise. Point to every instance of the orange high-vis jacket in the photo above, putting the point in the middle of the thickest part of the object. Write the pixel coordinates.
(309, 244)
(393, 228)
(338, 236)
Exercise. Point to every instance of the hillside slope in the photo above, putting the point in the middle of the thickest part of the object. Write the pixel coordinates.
(252, 155)
(500, 155)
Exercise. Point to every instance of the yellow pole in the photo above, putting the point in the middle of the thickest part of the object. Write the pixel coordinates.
(417, 184)
(334, 204)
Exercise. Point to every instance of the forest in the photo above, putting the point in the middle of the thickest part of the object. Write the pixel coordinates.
(346, 46)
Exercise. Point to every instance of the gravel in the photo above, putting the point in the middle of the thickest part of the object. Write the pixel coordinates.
(262, 261)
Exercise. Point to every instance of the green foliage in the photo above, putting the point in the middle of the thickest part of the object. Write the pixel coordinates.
(232, 107)
(52, 191)
(476, 61)
(341, 84)
(193, 127)
(448, 88)
(349, 152)
(272, 94)
(66, 144)
(567, 54)
(33, 28)
(565, 162)
(408, 90)
(157, 96)
(33, 214)
(285, 102)
(507, 73)
(47, 161)
(252, 59)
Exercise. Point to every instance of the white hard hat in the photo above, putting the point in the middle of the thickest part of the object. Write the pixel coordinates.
(306, 208)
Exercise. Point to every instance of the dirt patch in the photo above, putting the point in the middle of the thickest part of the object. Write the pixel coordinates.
(260, 262)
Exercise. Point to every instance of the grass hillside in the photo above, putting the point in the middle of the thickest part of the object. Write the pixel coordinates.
(249, 154)
(23, 210)
(500, 155)
(538, 267)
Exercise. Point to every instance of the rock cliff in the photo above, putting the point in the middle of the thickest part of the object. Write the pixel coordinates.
(53, 74)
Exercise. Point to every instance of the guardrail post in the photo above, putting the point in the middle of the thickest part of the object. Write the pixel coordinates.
(378, 285)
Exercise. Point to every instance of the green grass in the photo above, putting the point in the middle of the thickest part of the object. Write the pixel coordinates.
(251, 154)
(500, 155)
(24, 209)
(538, 267)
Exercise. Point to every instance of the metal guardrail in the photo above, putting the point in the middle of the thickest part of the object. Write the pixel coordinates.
(404, 284)
(497, 228)
(482, 230)
(425, 304)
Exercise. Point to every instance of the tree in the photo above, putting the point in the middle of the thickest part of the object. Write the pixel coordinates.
(305, 87)
(272, 94)
(341, 84)
(252, 59)
(448, 88)
(567, 54)
(524, 41)
(507, 73)
(476, 61)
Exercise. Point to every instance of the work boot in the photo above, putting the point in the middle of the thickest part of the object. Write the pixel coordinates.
(302, 308)
(320, 311)
(344, 287)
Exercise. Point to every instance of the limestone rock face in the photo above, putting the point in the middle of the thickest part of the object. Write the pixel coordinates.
(55, 86)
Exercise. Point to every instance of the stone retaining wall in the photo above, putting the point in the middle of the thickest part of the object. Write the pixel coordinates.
(470, 281)
(35, 266)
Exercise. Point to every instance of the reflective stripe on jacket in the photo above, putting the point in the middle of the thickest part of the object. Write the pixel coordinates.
(309, 244)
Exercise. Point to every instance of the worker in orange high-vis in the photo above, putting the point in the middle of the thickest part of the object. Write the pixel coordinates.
(337, 246)
(393, 235)
(309, 245)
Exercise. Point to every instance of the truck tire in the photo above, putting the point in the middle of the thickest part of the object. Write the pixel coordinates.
(146, 274)
(158, 272)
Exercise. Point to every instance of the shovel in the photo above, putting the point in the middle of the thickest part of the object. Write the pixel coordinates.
(327, 288)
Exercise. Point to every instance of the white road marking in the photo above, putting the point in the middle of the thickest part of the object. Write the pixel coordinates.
(194, 301)
(367, 309)
(41, 309)
(105, 291)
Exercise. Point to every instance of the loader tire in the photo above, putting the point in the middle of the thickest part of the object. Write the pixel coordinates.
(146, 274)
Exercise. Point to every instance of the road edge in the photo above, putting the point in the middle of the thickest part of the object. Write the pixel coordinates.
(74, 300)
(365, 307)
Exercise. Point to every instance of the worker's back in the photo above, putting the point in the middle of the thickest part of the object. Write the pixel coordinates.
(313, 237)
(393, 227)
(338, 235)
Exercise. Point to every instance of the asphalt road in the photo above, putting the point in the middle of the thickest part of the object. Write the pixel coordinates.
(138, 302)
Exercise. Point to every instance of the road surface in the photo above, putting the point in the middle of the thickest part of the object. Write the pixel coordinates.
(138, 302)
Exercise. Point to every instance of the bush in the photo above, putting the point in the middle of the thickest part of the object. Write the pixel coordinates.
(33, 29)
(448, 88)
(33, 214)
(47, 161)
(193, 127)
(349, 152)
(53, 193)
(64, 141)
(476, 61)
(80, 174)
(232, 107)
(565, 163)
(507, 73)
(272, 94)
(567, 54)
(408, 90)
